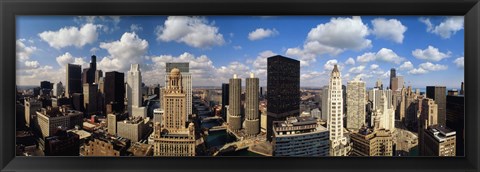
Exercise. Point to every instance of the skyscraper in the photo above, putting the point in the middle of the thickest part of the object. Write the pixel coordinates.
(252, 123)
(283, 90)
(368, 142)
(325, 111)
(134, 92)
(225, 99)
(184, 68)
(74, 79)
(173, 138)
(356, 101)
(114, 89)
(397, 83)
(455, 120)
(338, 142)
(90, 99)
(462, 89)
(438, 141)
(393, 74)
(439, 94)
(234, 105)
(58, 89)
(428, 116)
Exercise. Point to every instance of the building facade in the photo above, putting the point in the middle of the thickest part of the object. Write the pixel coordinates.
(338, 142)
(51, 118)
(439, 141)
(132, 128)
(114, 82)
(252, 121)
(455, 120)
(225, 99)
(184, 68)
(74, 79)
(356, 101)
(369, 142)
(438, 93)
(134, 92)
(235, 104)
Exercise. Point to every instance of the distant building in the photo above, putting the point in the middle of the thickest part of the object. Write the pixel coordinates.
(439, 141)
(252, 123)
(51, 118)
(107, 146)
(225, 99)
(316, 113)
(369, 142)
(31, 106)
(393, 74)
(234, 106)
(134, 92)
(438, 93)
(397, 83)
(325, 111)
(90, 99)
(74, 79)
(58, 89)
(132, 128)
(283, 90)
(62, 143)
(158, 115)
(338, 142)
(455, 120)
(462, 89)
(300, 136)
(356, 101)
(115, 91)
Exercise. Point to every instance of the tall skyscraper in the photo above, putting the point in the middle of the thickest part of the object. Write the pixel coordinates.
(283, 90)
(115, 91)
(462, 89)
(393, 74)
(438, 141)
(252, 123)
(338, 142)
(455, 120)
(234, 106)
(325, 111)
(58, 89)
(134, 92)
(173, 138)
(184, 68)
(74, 79)
(439, 94)
(379, 84)
(225, 99)
(90, 99)
(356, 101)
(397, 83)
(428, 116)
(89, 74)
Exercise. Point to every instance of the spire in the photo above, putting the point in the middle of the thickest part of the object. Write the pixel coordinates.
(335, 68)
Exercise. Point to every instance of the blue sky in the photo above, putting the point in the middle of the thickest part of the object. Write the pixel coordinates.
(425, 50)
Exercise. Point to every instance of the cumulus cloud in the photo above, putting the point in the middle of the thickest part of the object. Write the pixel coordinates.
(350, 61)
(108, 23)
(448, 27)
(34, 76)
(71, 36)
(237, 47)
(261, 33)
(374, 67)
(459, 62)
(418, 71)
(430, 54)
(357, 70)
(331, 63)
(135, 28)
(427, 67)
(130, 49)
(406, 66)
(389, 29)
(194, 31)
(67, 58)
(384, 54)
(23, 51)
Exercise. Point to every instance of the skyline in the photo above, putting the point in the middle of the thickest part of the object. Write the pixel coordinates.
(426, 51)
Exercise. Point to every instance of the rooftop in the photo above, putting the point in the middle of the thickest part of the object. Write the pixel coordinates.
(440, 132)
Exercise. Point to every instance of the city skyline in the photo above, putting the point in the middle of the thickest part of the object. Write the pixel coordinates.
(425, 50)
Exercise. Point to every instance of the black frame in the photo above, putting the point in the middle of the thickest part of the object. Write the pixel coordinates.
(10, 8)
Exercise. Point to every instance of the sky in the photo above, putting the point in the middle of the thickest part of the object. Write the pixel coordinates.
(426, 50)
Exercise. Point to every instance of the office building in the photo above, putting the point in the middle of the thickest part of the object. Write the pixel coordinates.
(49, 119)
(462, 89)
(225, 99)
(132, 128)
(283, 90)
(356, 101)
(32, 105)
(252, 123)
(62, 143)
(428, 116)
(397, 83)
(74, 79)
(325, 111)
(393, 74)
(184, 68)
(235, 103)
(438, 141)
(338, 142)
(89, 74)
(370, 142)
(90, 99)
(77, 101)
(158, 115)
(107, 146)
(140, 149)
(173, 138)
(58, 89)
(316, 113)
(300, 136)
(438, 93)
(456, 120)
(134, 92)
(114, 82)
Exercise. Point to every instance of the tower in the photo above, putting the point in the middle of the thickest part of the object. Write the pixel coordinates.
(74, 80)
(356, 101)
(338, 143)
(393, 74)
(234, 105)
(134, 92)
(439, 94)
(252, 124)
(187, 81)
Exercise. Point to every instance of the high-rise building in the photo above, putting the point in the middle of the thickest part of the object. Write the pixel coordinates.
(134, 92)
(31, 106)
(173, 138)
(428, 117)
(438, 93)
(89, 74)
(252, 123)
(98, 75)
(225, 99)
(115, 91)
(316, 113)
(369, 142)
(393, 74)
(300, 136)
(338, 142)
(234, 106)
(74, 79)
(62, 143)
(356, 101)
(379, 84)
(184, 68)
(112, 123)
(158, 115)
(462, 89)
(325, 110)
(90, 99)
(438, 141)
(58, 89)
(131, 128)
(455, 120)
(283, 90)
(51, 118)
(397, 83)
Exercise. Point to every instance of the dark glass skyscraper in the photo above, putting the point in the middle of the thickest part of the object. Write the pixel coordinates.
(74, 79)
(115, 90)
(283, 90)
(225, 92)
(439, 94)
(88, 75)
(455, 120)
(393, 74)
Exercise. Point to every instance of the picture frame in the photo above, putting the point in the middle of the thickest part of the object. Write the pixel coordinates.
(9, 9)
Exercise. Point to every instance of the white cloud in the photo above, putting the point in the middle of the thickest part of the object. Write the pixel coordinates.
(23, 52)
(237, 47)
(31, 64)
(384, 54)
(67, 58)
(448, 27)
(261, 33)
(330, 64)
(130, 49)
(374, 67)
(136, 28)
(427, 67)
(108, 23)
(459, 62)
(406, 66)
(350, 61)
(34, 76)
(363, 76)
(389, 29)
(193, 31)
(430, 54)
(418, 71)
(71, 36)
(357, 70)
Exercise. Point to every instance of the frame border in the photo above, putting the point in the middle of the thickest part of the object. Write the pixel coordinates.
(10, 8)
